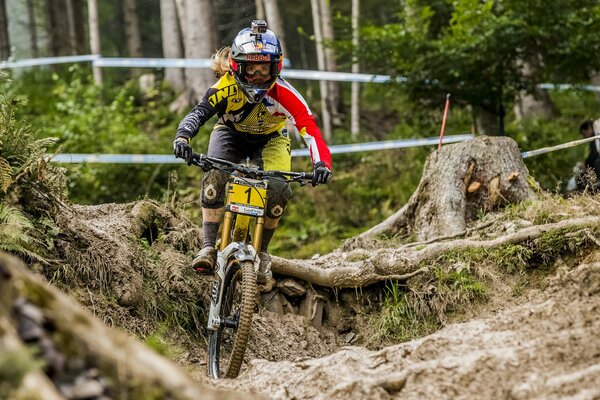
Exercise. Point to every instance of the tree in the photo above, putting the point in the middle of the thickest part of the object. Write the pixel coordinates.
(355, 95)
(4, 39)
(478, 54)
(171, 42)
(79, 26)
(94, 37)
(200, 41)
(275, 23)
(57, 27)
(333, 88)
(325, 114)
(32, 29)
(133, 38)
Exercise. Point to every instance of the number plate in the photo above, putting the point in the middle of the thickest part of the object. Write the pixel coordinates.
(247, 196)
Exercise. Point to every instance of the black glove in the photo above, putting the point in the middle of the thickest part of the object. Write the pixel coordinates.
(322, 174)
(182, 149)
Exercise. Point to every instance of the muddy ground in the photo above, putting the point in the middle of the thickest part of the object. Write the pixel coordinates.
(546, 348)
(534, 336)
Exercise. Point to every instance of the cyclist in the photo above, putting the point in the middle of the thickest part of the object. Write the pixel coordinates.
(255, 107)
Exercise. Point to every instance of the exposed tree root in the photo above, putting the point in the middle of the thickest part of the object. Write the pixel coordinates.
(360, 268)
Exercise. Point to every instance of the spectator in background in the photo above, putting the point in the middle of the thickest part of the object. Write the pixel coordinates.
(591, 171)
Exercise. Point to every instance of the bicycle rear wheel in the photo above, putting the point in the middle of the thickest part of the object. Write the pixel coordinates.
(227, 344)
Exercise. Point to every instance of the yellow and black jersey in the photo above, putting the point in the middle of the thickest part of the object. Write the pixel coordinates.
(281, 103)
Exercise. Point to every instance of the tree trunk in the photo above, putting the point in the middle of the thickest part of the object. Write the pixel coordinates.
(535, 105)
(71, 26)
(596, 81)
(538, 104)
(260, 9)
(274, 20)
(333, 88)
(458, 182)
(326, 116)
(78, 7)
(486, 122)
(57, 28)
(355, 94)
(133, 37)
(171, 42)
(200, 41)
(32, 29)
(94, 37)
(4, 39)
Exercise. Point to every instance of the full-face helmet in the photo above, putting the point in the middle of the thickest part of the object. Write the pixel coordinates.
(256, 60)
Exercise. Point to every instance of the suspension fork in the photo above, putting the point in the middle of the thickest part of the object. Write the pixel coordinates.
(226, 230)
(258, 232)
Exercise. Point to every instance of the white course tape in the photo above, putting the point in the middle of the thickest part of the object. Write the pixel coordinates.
(34, 62)
(170, 159)
(531, 153)
(99, 61)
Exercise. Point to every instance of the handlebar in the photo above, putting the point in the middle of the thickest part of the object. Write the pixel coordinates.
(207, 163)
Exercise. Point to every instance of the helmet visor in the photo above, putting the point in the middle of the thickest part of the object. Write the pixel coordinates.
(258, 75)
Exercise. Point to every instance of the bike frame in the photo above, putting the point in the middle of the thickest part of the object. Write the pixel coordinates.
(234, 247)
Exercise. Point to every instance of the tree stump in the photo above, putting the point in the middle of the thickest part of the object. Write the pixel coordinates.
(459, 182)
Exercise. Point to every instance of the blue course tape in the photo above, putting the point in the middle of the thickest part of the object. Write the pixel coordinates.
(170, 159)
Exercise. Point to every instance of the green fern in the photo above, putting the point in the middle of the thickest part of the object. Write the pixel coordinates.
(21, 152)
(15, 235)
(6, 177)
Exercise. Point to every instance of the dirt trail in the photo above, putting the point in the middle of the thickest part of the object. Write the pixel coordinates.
(548, 348)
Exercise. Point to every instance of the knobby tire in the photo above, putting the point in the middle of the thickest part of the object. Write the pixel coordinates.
(239, 275)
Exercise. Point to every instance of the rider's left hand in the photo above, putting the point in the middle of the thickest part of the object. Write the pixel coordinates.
(322, 174)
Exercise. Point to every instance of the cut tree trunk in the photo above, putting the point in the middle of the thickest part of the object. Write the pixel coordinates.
(458, 182)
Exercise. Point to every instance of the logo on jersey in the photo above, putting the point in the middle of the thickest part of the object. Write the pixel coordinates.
(221, 94)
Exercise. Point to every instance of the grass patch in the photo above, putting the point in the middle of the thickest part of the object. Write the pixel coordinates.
(158, 342)
(399, 320)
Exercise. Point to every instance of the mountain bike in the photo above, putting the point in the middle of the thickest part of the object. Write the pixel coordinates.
(233, 292)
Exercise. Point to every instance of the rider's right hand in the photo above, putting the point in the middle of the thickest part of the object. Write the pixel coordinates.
(182, 149)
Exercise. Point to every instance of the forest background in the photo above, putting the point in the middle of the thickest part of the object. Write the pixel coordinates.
(489, 55)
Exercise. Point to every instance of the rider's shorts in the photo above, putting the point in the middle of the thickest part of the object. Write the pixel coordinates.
(269, 152)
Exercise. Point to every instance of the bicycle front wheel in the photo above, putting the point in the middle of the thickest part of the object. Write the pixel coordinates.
(227, 344)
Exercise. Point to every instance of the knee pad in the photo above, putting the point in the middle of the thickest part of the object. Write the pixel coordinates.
(279, 194)
(213, 188)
